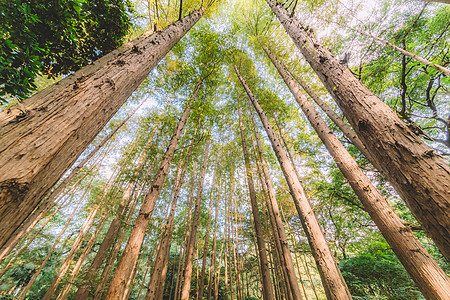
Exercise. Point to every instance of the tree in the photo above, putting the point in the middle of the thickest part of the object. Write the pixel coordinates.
(419, 175)
(37, 148)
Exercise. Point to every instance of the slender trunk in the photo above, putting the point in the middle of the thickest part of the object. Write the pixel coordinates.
(346, 130)
(266, 280)
(208, 227)
(236, 250)
(64, 294)
(226, 250)
(116, 224)
(187, 226)
(41, 141)
(27, 288)
(426, 273)
(420, 176)
(212, 269)
(217, 274)
(332, 279)
(157, 280)
(274, 210)
(129, 257)
(190, 249)
(302, 258)
(75, 247)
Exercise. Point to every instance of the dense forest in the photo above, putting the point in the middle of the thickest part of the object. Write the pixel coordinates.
(224, 149)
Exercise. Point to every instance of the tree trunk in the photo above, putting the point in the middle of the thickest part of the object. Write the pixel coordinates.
(426, 273)
(275, 211)
(213, 264)
(116, 224)
(157, 281)
(191, 245)
(420, 176)
(346, 130)
(40, 142)
(208, 227)
(332, 279)
(187, 226)
(130, 255)
(265, 273)
(75, 247)
(64, 294)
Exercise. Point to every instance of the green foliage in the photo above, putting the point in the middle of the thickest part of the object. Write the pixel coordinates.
(52, 37)
(372, 277)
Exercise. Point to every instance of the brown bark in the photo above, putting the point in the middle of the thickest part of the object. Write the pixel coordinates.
(208, 227)
(191, 245)
(346, 130)
(426, 273)
(39, 142)
(236, 249)
(157, 278)
(332, 279)
(68, 260)
(27, 288)
(212, 269)
(265, 273)
(187, 223)
(130, 255)
(274, 211)
(420, 176)
(116, 224)
(64, 294)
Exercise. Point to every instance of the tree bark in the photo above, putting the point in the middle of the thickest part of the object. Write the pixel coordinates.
(275, 211)
(130, 255)
(265, 273)
(208, 227)
(346, 130)
(116, 224)
(157, 280)
(423, 269)
(40, 142)
(212, 269)
(332, 279)
(420, 176)
(191, 245)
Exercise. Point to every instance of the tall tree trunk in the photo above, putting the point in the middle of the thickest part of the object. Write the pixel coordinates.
(157, 280)
(40, 142)
(75, 247)
(265, 273)
(64, 294)
(213, 264)
(191, 245)
(187, 226)
(420, 176)
(116, 224)
(40, 212)
(130, 255)
(208, 227)
(275, 211)
(332, 279)
(346, 130)
(423, 269)
(236, 249)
